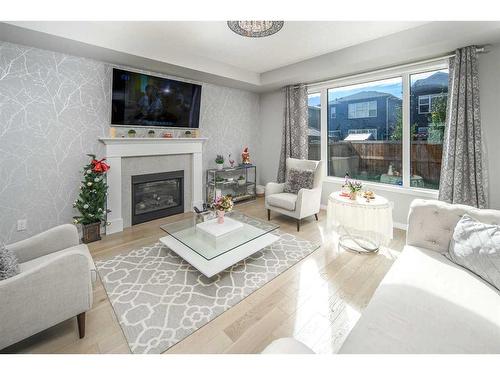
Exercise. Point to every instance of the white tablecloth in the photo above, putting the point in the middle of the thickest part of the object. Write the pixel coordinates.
(358, 217)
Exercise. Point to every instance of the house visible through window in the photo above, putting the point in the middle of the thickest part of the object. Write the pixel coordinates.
(369, 123)
(363, 109)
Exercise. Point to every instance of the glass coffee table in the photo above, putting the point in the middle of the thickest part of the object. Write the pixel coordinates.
(211, 247)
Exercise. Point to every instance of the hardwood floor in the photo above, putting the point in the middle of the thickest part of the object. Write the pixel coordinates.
(317, 301)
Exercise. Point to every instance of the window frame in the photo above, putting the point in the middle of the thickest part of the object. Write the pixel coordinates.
(402, 71)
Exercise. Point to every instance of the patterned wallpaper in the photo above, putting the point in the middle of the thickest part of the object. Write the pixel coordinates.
(53, 107)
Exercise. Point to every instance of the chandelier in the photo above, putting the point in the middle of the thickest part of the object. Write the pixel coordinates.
(255, 29)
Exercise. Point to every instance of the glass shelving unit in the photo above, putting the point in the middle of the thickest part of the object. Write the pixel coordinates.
(239, 182)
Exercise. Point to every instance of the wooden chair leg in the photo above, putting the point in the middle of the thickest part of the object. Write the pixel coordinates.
(81, 324)
(316, 216)
(298, 225)
(268, 214)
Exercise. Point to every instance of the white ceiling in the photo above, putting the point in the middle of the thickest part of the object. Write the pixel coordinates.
(210, 46)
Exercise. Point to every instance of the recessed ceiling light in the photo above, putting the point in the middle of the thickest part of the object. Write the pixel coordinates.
(255, 29)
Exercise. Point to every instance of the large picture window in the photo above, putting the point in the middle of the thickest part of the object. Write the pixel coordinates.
(386, 130)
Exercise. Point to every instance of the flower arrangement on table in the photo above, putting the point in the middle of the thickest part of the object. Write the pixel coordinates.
(354, 187)
(91, 201)
(223, 204)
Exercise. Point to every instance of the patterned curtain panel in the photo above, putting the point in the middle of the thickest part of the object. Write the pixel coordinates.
(463, 178)
(294, 138)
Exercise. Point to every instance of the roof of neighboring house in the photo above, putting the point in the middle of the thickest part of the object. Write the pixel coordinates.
(364, 95)
(438, 80)
(359, 137)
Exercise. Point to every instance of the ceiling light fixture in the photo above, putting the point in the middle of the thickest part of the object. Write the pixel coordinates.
(255, 29)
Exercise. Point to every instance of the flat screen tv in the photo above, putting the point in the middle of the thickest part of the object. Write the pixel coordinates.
(143, 100)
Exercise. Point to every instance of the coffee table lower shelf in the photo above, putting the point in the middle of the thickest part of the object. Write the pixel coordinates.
(212, 267)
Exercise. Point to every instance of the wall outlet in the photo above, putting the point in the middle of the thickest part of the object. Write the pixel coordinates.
(21, 224)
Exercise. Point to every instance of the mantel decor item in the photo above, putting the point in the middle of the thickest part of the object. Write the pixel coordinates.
(219, 160)
(131, 133)
(255, 29)
(151, 134)
(91, 201)
(222, 205)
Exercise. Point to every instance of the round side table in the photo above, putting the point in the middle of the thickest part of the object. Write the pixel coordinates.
(367, 225)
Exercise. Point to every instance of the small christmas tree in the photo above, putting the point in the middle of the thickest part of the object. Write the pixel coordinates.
(91, 202)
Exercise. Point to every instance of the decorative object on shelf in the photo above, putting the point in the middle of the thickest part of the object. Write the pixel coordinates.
(231, 160)
(151, 134)
(112, 132)
(188, 134)
(368, 195)
(245, 156)
(168, 135)
(219, 160)
(131, 133)
(222, 205)
(255, 29)
(227, 181)
(91, 201)
(354, 188)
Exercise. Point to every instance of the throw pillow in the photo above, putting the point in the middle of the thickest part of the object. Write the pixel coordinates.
(476, 247)
(8, 263)
(297, 179)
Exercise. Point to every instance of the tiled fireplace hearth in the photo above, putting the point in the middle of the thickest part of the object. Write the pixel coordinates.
(120, 150)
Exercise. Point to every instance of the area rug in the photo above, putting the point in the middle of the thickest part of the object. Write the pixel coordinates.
(159, 299)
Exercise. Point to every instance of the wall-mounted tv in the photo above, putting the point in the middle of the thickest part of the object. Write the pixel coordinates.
(143, 100)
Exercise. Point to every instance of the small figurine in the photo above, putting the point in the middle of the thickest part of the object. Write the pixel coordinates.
(231, 161)
(245, 156)
(390, 172)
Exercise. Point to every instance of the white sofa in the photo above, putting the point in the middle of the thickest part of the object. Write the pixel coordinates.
(54, 284)
(306, 203)
(425, 303)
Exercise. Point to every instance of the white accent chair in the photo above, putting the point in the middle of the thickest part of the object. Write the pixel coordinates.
(54, 284)
(306, 203)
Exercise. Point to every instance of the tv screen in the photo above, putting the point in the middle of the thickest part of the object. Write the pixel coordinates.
(144, 100)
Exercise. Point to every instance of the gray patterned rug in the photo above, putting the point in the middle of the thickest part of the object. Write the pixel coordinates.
(160, 299)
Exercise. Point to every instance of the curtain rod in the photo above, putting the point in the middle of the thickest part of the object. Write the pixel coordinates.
(479, 50)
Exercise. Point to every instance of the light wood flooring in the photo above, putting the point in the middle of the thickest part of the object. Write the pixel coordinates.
(317, 301)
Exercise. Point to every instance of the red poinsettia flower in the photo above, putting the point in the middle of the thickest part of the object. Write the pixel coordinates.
(99, 166)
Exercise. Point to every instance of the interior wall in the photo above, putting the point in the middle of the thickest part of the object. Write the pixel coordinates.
(489, 71)
(53, 109)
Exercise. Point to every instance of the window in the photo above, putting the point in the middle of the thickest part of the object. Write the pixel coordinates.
(365, 146)
(362, 109)
(427, 122)
(314, 134)
(425, 102)
(385, 127)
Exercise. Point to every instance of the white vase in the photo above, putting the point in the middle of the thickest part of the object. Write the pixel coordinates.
(220, 166)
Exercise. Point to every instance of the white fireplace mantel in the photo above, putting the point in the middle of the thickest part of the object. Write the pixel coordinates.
(118, 148)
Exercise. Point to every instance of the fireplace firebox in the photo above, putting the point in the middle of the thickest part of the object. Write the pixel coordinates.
(157, 195)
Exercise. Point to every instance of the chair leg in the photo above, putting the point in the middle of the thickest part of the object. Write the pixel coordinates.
(298, 225)
(268, 214)
(81, 324)
(316, 216)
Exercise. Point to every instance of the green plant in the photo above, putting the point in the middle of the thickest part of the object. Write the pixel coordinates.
(397, 133)
(219, 159)
(438, 114)
(151, 132)
(241, 178)
(91, 200)
(131, 131)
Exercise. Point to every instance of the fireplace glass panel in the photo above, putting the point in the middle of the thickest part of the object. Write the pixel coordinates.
(157, 195)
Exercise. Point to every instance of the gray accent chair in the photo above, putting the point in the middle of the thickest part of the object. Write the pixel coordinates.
(306, 203)
(54, 284)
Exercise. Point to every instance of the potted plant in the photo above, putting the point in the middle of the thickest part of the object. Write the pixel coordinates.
(91, 201)
(131, 133)
(151, 134)
(354, 188)
(219, 160)
(222, 204)
(187, 134)
(241, 180)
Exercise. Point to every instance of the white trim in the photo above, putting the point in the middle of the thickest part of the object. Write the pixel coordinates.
(406, 141)
(417, 192)
(400, 226)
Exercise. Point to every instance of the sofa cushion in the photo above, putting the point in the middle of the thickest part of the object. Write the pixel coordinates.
(476, 246)
(283, 200)
(8, 263)
(43, 259)
(297, 179)
(427, 304)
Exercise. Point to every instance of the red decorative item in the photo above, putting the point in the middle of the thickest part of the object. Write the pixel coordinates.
(99, 166)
